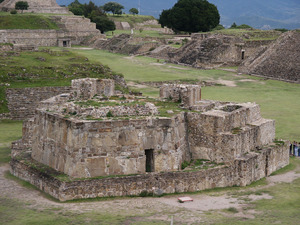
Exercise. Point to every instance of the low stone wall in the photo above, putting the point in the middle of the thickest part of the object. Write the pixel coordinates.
(221, 136)
(75, 28)
(242, 172)
(22, 102)
(146, 109)
(29, 37)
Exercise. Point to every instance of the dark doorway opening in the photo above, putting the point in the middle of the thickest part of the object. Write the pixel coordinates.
(65, 43)
(149, 160)
(243, 54)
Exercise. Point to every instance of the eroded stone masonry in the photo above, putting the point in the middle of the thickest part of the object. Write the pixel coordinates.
(93, 142)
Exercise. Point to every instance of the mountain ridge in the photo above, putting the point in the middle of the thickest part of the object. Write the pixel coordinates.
(256, 13)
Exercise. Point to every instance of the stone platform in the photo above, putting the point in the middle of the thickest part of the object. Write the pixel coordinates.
(93, 142)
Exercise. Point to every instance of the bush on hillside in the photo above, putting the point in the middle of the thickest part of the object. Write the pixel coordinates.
(13, 11)
(133, 11)
(219, 27)
(243, 26)
(282, 30)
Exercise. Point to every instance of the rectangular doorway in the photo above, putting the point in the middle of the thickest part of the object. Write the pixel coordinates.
(149, 160)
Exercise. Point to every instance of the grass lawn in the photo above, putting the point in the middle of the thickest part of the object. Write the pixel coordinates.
(9, 131)
(26, 21)
(278, 100)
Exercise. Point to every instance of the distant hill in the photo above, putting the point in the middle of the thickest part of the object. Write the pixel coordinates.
(267, 14)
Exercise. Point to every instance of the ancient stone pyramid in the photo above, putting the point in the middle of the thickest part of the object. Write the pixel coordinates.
(37, 6)
(280, 60)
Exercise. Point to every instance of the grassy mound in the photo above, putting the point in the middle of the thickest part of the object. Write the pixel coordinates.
(23, 21)
(45, 68)
(130, 18)
(251, 34)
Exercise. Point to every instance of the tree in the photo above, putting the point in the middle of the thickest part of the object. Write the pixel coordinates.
(133, 11)
(233, 25)
(94, 13)
(113, 7)
(191, 16)
(104, 24)
(21, 5)
(76, 8)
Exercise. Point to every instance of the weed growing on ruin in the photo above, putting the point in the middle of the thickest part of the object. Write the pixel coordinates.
(236, 130)
(232, 210)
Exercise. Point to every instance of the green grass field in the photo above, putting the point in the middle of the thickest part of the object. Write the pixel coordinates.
(278, 100)
(131, 19)
(9, 131)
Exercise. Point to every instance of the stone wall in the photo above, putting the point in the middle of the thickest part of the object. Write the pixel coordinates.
(127, 44)
(99, 148)
(188, 95)
(280, 60)
(75, 28)
(30, 37)
(131, 109)
(252, 47)
(22, 102)
(122, 25)
(220, 135)
(87, 88)
(242, 172)
(213, 51)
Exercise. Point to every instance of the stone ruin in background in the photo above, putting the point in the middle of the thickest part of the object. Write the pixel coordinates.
(36, 6)
(77, 141)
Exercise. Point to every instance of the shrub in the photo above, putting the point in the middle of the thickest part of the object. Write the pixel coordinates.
(145, 194)
(13, 11)
(109, 114)
(185, 164)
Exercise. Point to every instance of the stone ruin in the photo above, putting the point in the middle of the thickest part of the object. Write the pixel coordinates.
(280, 60)
(206, 51)
(73, 30)
(128, 44)
(93, 143)
(36, 6)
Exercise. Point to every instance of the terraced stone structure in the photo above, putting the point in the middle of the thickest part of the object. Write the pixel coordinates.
(77, 141)
(36, 6)
(280, 60)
